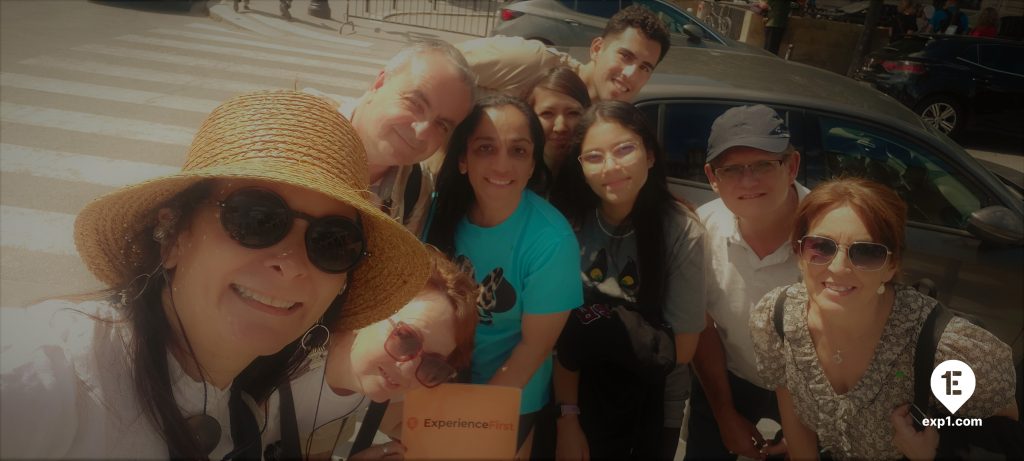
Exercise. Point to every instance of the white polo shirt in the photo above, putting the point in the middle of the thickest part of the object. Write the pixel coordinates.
(739, 280)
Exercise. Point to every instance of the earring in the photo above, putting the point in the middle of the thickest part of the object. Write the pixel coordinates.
(315, 341)
(881, 289)
(167, 219)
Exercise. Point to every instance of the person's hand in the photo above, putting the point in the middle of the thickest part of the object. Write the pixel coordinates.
(914, 444)
(773, 448)
(740, 436)
(572, 442)
(393, 450)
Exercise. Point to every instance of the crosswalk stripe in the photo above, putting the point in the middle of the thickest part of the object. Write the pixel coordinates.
(37, 230)
(299, 31)
(95, 124)
(174, 78)
(272, 46)
(221, 30)
(67, 166)
(223, 65)
(109, 93)
(236, 53)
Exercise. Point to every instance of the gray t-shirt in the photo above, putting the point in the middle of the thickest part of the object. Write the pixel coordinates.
(609, 266)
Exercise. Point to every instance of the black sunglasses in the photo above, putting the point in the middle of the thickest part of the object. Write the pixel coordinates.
(866, 256)
(259, 218)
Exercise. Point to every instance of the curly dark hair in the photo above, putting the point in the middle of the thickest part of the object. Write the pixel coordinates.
(642, 19)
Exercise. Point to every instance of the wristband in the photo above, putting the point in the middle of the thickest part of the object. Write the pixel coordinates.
(569, 410)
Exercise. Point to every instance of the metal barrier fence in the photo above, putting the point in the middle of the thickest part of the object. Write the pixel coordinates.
(471, 17)
(724, 17)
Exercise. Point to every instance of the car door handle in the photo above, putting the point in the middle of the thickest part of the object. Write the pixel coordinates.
(571, 22)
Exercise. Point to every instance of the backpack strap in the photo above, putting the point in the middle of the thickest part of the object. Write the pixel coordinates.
(412, 192)
(778, 313)
(924, 353)
(289, 424)
(368, 429)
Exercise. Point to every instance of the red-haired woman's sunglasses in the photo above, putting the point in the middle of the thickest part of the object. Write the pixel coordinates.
(405, 343)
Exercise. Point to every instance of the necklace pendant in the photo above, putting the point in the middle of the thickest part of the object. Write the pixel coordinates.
(838, 357)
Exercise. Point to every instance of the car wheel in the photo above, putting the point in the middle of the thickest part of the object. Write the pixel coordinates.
(942, 112)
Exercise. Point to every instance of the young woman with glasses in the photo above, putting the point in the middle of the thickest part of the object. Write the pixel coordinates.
(643, 267)
(843, 368)
(521, 249)
(225, 280)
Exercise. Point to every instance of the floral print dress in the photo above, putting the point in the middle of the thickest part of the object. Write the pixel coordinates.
(855, 425)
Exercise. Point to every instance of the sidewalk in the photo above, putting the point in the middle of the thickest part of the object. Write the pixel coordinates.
(264, 18)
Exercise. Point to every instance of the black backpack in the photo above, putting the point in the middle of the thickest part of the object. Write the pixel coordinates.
(998, 437)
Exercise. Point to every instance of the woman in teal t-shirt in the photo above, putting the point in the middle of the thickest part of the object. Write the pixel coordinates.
(521, 250)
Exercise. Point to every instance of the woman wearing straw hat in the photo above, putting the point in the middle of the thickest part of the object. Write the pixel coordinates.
(222, 279)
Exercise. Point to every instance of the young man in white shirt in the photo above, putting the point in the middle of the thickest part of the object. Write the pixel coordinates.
(752, 166)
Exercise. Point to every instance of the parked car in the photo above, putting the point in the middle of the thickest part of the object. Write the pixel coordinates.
(953, 82)
(966, 226)
(577, 22)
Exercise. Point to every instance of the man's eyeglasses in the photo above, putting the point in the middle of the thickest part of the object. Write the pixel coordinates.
(259, 218)
(624, 154)
(865, 256)
(405, 343)
(757, 169)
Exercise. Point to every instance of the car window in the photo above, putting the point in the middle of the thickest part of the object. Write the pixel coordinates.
(684, 129)
(935, 193)
(673, 20)
(1002, 58)
(602, 8)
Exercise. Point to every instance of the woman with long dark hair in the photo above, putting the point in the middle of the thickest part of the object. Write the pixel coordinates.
(224, 280)
(559, 99)
(643, 270)
(521, 249)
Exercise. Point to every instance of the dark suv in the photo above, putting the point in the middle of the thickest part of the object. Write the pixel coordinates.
(953, 82)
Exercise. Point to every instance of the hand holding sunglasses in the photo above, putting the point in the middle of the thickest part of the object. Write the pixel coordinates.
(258, 218)
(405, 343)
(865, 256)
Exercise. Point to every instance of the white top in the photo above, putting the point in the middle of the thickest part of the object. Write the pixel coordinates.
(739, 281)
(67, 391)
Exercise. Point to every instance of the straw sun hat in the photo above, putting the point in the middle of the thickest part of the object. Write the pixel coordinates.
(284, 137)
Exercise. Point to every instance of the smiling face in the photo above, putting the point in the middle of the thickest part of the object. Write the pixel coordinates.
(409, 113)
(622, 64)
(250, 302)
(616, 182)
(754, 196)
(838, 285)
(559, 114)
(373, 371)
(499, 159)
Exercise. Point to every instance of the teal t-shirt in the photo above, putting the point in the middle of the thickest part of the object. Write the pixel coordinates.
(528, 264)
